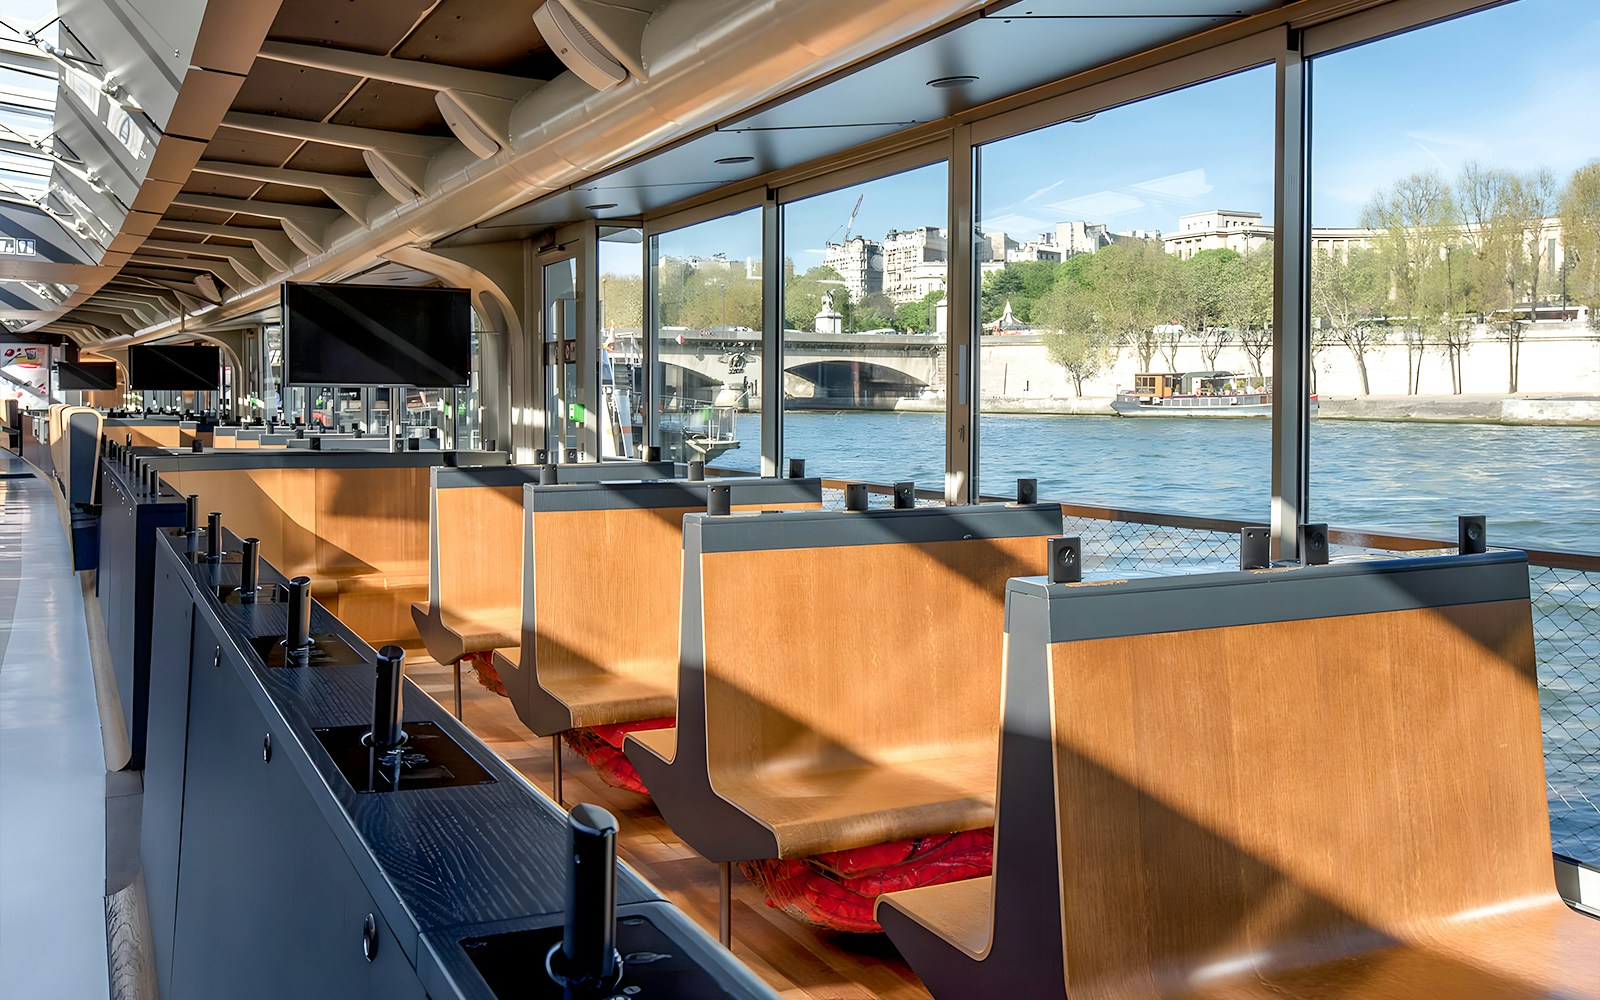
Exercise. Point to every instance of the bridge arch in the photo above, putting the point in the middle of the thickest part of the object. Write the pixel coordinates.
(845, 384)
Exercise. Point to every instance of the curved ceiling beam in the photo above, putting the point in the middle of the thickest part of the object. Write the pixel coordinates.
(475, 104)
(410, 72)
(216, 272)
(247, 262)
(353, 194)
(398, 160)
(304, 224)
(274, 247)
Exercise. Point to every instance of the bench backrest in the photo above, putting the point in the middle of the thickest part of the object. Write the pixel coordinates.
(603, 563)
(1262, 769)
(475, 524)
(845, 637)
(166, 434)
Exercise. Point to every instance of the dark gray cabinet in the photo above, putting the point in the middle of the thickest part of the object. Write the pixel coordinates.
(268, 905)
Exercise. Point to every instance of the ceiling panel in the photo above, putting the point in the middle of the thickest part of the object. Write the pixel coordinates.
(1005, 56)
(1133, 8)
(227, 187)
(252, 221)
(176, 236)
(478, 35)
(183, 213)
(238, 146)
(323, 158)
(278, 88)
(349, 24)
(291, 195)
(393, 107)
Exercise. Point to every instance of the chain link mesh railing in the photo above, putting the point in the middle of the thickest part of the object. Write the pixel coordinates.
(1566, 625)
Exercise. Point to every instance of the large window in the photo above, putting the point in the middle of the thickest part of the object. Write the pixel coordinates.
(1455, 196)
(706, 279)
(864, 333)
(1125, 263)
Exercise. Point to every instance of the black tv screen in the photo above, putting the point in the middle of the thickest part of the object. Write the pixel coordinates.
(153, 366)
(376, 335)
(94, 376)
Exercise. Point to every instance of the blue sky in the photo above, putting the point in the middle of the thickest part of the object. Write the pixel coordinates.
(1511, 87)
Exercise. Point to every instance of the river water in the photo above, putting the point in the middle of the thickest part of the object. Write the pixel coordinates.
(1539, 486)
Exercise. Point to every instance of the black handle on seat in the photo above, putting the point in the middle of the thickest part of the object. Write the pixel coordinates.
(297, 638)
(586, 961)
(214, 536)
(387, 699)
(250, 570)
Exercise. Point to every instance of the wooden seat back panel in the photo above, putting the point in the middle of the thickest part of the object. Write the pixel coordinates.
(372, 521)
(1276, 795)
(477, 555)
(830, 657)
(607, 592)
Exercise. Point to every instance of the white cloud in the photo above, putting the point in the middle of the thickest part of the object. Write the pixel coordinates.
(1098, 206)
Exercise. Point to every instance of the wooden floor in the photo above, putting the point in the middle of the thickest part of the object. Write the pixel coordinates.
(796, 960)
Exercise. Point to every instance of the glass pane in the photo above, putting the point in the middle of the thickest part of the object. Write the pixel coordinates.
(1126, 302)
(1456, 278)
(706, 281)
(621, 341)
(864, 332)
(563, 411)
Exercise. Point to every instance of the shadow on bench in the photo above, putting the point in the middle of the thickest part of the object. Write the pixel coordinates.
(1314, 783)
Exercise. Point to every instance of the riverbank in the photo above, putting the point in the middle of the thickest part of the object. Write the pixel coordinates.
(1532, 409)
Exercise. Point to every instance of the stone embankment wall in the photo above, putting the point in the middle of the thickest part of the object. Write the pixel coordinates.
(1556, 360)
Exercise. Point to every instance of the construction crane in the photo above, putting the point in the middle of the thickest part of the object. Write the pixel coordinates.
(852, 223)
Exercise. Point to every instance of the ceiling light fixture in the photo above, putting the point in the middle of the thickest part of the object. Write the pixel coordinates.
(730, 160)
(949, 82)
(601, 207)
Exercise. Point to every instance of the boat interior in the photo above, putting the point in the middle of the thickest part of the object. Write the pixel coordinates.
(476, 523)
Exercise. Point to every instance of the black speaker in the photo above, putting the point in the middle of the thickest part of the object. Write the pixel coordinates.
(797, 468)
(316, 444)
(413, 444)
(1066, 559)
(905, 496)
(1314, 545)
(1255, 547)
(652, 453)
(1473, 530)
(855, 496)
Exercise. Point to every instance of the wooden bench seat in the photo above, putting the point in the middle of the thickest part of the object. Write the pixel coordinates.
(601, 590)
(475, 521)
(356, 525)
(839, 678)
(1318, 783)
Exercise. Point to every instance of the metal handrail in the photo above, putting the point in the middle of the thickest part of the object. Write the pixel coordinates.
(1363, 538)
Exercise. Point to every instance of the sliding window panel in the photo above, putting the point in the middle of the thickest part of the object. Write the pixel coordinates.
(1455, 252)
(1125, 303)
(706, 286)
(864, 379)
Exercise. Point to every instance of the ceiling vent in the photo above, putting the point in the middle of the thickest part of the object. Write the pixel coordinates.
(598, 41)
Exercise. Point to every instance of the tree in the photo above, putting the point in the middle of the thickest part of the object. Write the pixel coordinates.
(918, 317)
(1580, 236)
(1414, 219)
(1203, 291)
(1347, 294)
(804, 295)
(1247, 307)
(1021, 284)
(1132, 291)
(622, 300)
(1076, 339)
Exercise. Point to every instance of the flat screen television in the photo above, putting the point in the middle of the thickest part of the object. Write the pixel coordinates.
(93, 376)
(158, 366)
(376, 335)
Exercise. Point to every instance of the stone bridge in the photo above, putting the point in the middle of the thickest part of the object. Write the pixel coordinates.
(828, 371)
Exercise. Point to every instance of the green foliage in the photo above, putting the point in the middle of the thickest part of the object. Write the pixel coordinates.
(804, 295)
(918, 317)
